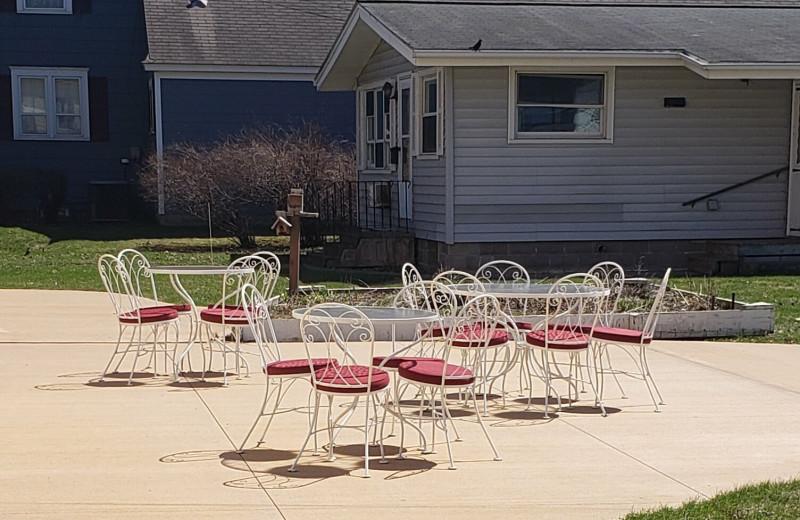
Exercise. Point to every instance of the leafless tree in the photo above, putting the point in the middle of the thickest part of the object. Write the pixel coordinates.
(245, 174)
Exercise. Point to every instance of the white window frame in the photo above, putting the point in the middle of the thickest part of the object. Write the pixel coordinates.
(50, 74)
(606, 123)
(24, 9)
(386, 139)
(419, 91)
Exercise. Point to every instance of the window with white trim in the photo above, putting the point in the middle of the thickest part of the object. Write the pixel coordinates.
(50, 104)
(560, 105)
(44, 6)
(429, 96)
(429, 116)
(376, 125)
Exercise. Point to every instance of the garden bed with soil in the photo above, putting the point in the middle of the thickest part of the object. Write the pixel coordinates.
(685, 315)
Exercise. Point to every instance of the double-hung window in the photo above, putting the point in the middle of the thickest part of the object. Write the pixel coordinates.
(44, 6)
(50, 104)
(560, 105)
(430, 109)
(376, 122)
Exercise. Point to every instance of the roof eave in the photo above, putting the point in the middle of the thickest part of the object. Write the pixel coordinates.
(353, 48)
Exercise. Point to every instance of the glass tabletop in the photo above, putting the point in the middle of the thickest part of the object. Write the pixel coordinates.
(375, 314)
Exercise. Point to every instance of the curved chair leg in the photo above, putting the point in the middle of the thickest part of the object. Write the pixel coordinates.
(258, 417)
(311, 427)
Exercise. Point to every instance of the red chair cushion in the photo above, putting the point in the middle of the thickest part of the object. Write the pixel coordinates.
(524, 325)
(149, 315)
(476, 336)
(350, 379)
(434, 372)
(557, 338)
(233, 315)
(395, 362)
(288, 367)
(616, 335)
(180, 307)
(436, 332)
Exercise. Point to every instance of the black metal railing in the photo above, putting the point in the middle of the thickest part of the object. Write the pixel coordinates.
(737, 185)
(360, 205)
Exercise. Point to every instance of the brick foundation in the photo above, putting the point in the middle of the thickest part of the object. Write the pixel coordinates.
(638, 258)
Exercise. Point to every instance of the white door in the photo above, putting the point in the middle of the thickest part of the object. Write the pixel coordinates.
(793, 211)
(404, 142)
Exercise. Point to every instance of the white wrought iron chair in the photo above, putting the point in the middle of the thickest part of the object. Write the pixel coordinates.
(143, 286)
(429, 338)
(634, 343)
(277, 371)
(155, 321)
(480, 322)
(227, 316)
(409, 274)
(345, 335)
(556, 346)
(612, 275)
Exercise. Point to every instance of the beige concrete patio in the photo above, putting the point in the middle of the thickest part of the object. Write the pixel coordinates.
(73, 447)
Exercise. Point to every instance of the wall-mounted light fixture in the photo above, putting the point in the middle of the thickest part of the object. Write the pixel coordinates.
(197, 3)
(388, 91)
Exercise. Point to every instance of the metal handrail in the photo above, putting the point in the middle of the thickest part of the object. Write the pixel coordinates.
(737, 185)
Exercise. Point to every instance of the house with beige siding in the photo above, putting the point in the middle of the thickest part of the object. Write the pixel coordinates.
(560, 133)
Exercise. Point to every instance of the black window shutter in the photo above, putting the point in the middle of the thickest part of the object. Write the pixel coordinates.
(98, 108)
(81, 6)
(6, 110)
(8, 6)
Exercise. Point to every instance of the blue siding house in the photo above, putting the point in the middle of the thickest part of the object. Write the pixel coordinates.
(245, 63)
(89, 87)
(73, 106)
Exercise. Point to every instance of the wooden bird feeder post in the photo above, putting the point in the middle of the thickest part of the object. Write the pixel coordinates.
(288, 223)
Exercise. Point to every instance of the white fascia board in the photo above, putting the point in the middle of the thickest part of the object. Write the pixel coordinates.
(360, 15)
(546, 58)
(232, 72)
(614, 58)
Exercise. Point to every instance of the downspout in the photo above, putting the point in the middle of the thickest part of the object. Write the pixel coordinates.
(159, 142)
(449, 160)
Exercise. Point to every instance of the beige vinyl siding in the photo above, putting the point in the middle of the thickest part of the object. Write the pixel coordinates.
(633, 188)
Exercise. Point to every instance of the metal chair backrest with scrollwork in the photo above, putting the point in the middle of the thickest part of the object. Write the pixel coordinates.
(409, 274)
(142, 283)
(612, 276)
(502, 271)
(463, 278)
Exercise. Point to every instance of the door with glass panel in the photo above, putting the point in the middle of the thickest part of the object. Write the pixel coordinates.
(404, 142)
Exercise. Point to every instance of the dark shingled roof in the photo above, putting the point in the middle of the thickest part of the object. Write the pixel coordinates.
(759, 32)
(277, 33)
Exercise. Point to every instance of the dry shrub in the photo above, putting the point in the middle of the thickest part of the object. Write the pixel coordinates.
(247, 174)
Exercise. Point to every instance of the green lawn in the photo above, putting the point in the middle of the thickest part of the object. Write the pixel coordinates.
(765, 501)
(65, 257)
